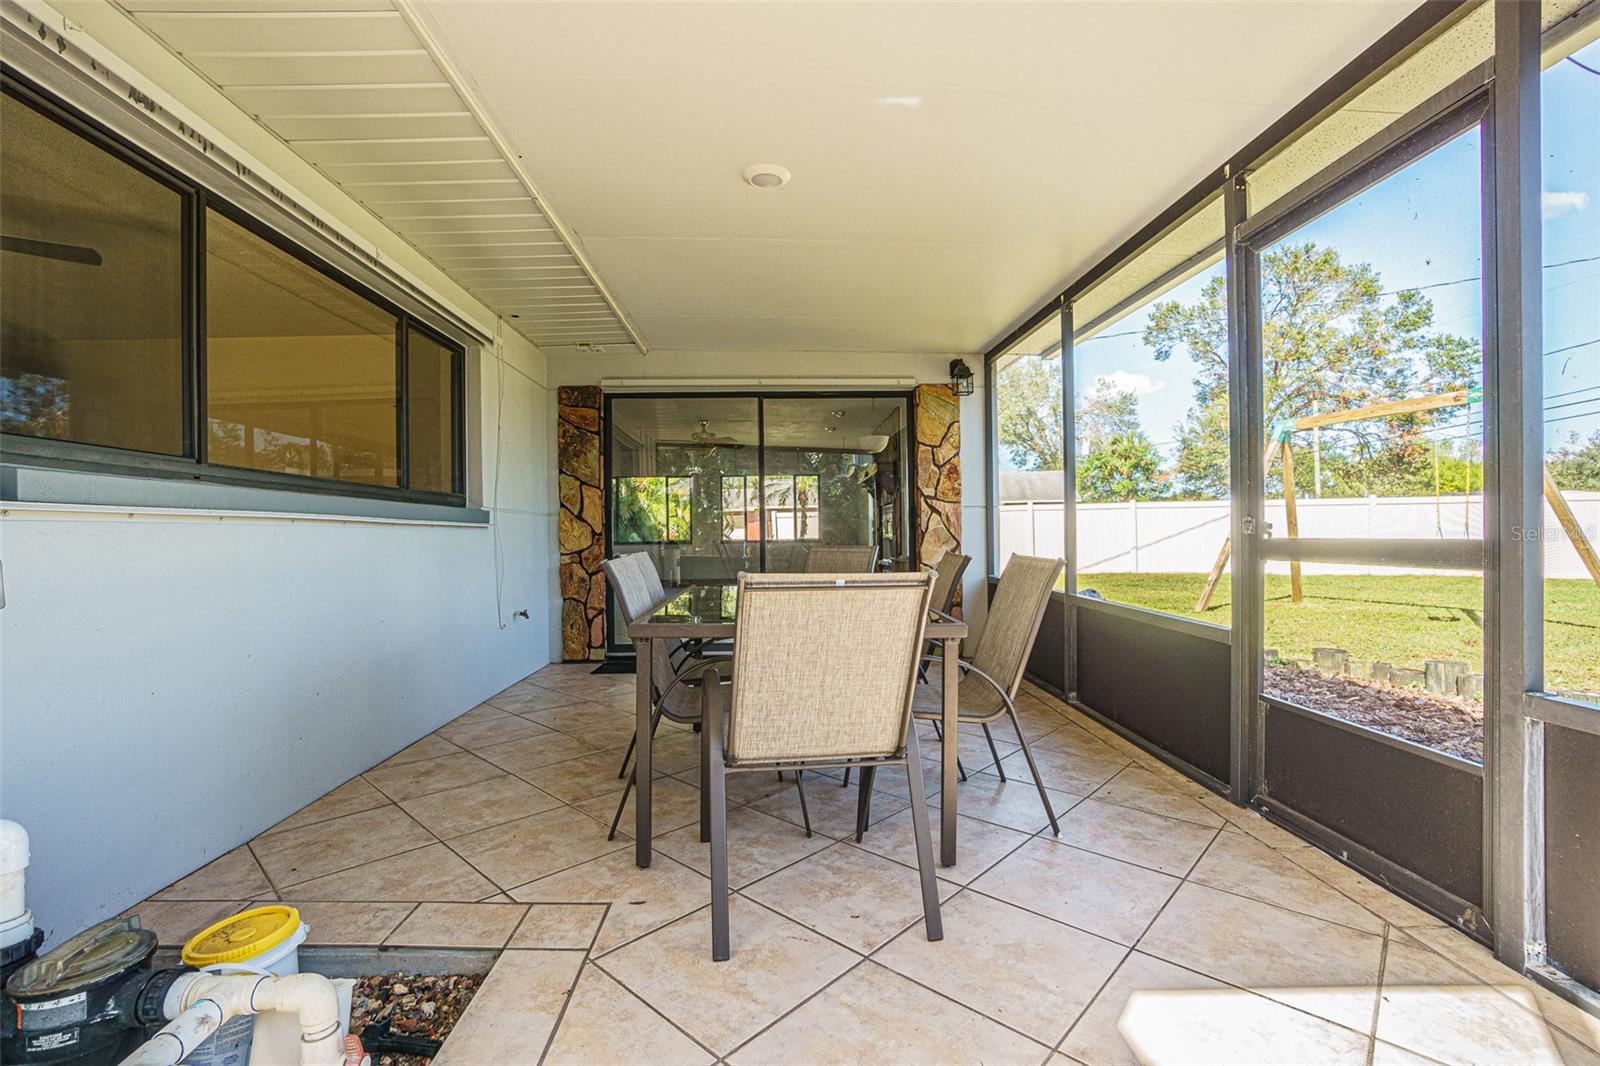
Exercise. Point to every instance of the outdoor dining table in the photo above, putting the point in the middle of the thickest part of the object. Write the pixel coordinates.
(706, 613)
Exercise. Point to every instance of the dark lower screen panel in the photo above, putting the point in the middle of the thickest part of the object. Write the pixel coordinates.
(1047, 665)
(1422, 813)
(1169, 687)
(1572, 852)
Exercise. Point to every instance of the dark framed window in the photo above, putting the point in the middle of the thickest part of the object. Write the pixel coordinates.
(794, 503)
(654, 510)
(92, 276)
(149, 325)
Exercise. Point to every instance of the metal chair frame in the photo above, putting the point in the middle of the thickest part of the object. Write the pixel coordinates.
(715, 766)
(1008, 707)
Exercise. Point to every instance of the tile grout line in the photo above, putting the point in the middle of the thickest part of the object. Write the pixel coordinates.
(561, 1015)
(1222, 981)
(1092, 1000)
(1377, 996)
(273, 830)
(1189, 879)
(250, 847)
(872, 957)
(861, 961)
(498, 886)
(652, 1008)
(1335, 888)
(574, 866)
(346, 869)
(1415, 942)
(403, 920)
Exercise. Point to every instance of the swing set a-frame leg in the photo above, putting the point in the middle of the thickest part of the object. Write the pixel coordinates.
(1227, 543)
(1291, 514)
(1569, 523)
(1216, 574)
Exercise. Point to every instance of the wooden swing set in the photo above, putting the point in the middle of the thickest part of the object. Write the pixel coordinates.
(1280, 448)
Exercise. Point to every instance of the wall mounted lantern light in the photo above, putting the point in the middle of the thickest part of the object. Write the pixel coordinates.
(961, 377)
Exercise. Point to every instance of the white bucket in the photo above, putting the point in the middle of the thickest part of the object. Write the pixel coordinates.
(231, 1044)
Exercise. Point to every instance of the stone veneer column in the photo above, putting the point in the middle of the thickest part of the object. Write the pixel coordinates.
(938, 472)
(579, 464)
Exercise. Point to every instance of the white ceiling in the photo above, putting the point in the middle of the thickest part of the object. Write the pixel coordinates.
(954, 163)
(1044, 135)
(355, 87)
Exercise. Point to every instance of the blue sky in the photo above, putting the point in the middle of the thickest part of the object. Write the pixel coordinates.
(1419, 228)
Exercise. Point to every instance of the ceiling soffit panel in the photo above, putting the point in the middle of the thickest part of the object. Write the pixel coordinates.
(359, 89)
(951, 162)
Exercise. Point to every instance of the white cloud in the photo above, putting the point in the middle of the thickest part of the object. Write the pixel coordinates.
(1122, 381)
(1559, 203)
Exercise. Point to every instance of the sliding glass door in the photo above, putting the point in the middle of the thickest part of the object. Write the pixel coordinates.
(711, 485)
(834, 475)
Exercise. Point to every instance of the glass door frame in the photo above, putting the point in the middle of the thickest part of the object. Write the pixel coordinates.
(1465, 106)
(616, 649)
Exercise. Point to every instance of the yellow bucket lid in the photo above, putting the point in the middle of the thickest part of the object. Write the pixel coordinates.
(243, 936)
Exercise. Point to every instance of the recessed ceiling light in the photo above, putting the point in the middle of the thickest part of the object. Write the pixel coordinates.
(766, 175)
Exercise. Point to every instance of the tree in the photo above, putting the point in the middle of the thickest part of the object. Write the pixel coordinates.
(1029, 409)
(1105, 413)
(1332, 340)
(1576, 465)
(1125, 466)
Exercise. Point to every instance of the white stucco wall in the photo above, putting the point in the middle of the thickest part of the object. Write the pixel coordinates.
(172, 683)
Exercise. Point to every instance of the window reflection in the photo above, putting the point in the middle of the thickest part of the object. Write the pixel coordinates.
(301, 373)
(91, 292)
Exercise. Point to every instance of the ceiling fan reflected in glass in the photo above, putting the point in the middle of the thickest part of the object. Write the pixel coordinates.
(703, 442)
(66, 253)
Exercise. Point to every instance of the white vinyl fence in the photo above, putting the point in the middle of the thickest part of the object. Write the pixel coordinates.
(1184, 536)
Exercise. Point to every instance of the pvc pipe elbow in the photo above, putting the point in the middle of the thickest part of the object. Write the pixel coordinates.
(312, 998)
(309, 996)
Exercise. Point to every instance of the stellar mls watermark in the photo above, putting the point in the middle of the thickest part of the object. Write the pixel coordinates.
(1545, 534)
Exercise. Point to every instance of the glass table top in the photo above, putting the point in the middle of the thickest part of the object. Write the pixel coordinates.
(717, 605)
(700, 605)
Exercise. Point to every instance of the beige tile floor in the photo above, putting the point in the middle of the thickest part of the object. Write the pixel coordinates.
(1163, 926)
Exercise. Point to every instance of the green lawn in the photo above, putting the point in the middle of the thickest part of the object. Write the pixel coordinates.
(1402, 619)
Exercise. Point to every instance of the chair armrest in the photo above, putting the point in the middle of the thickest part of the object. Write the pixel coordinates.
(969, 668)
(696, 648)
(695, 673)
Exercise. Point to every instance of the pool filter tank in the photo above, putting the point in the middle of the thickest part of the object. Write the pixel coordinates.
(89, 1001)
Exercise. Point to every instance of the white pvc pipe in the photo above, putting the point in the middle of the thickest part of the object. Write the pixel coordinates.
(178, 1039)
(199, 1003)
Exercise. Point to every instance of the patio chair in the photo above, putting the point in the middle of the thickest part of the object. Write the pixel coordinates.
(947, 579)
(946, 583)
(841, 559)
(675, 669)
(826, 669)
(990, 679)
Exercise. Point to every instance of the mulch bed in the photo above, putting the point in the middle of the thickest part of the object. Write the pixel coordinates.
(416, 1005)
(1451, 724)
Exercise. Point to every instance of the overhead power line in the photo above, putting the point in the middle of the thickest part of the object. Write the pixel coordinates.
(1392, 292)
